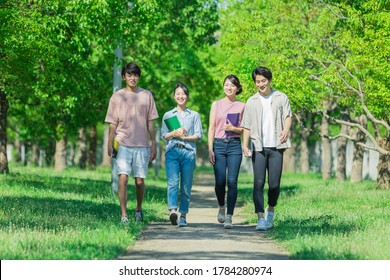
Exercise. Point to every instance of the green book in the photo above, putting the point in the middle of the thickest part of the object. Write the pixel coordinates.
(172, 123)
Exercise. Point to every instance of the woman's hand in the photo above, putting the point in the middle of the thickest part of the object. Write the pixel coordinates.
(211, 157)
(179, 133)
(247, 152)
(228, 126)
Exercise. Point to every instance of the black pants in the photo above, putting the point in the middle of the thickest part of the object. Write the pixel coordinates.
(271, 160)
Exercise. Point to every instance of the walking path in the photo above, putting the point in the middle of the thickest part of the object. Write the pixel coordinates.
(204, 238)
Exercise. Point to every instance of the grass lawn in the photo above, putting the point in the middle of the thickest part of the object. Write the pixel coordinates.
(69, 215)
(73, 215)
(328, 220)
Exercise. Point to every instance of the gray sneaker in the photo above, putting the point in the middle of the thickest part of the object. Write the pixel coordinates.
(269, 220)
(228, 222)
(221, 215)
(261, 224)
(138, 216)
(124, 220)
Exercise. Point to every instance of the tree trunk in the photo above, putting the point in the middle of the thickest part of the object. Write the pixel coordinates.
(42, 157)
(289, 154)
(92, 147)
(304, 144)
(60, 155)
(326, 154)
(304, 153)
(341, 157)
(34, 161)
(81, 157)
(18, 155)
(383, 178)
(106, 159)
(23, 158)
(3, 133)
(358, 152)
(342, 151)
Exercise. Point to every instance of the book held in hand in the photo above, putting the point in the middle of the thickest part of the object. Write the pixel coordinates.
(234, 119)
(172, 123)
(115, 148)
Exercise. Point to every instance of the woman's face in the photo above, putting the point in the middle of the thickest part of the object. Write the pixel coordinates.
(263, 84)
(229, 88)
(180, 97)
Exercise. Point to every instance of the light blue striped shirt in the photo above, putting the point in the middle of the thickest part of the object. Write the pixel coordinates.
(190, 120)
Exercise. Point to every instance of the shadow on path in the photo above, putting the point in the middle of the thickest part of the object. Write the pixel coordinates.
(204, 238)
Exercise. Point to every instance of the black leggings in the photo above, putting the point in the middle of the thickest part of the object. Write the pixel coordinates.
(271, 160)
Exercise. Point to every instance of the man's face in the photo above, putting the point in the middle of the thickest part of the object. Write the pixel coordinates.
(263, 84)
(131, 80)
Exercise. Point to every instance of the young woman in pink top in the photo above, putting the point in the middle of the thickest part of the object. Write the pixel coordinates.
(224, 142)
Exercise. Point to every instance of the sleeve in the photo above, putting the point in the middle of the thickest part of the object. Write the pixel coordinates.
(198, 126)
(164, 128)
(112, 114)
(286, 108)
(246, 120)
(153, 114)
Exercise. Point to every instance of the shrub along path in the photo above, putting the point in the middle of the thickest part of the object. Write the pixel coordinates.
(204, 238)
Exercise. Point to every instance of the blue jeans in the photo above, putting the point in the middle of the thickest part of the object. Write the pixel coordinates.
(271, 160)
(228, 157)
(180, 165)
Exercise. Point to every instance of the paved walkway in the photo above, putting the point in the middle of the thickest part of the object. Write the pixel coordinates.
(204, 238)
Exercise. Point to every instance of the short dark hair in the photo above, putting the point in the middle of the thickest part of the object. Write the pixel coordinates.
(235, 81)
(262, 71)
(183, 87)
(131, 68)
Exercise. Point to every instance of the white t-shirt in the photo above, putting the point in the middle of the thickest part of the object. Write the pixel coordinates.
(268, 125)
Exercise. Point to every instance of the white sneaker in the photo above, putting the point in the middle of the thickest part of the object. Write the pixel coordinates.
(261, 224)
(269, 220)
(221, 215)
(228, 222)
(124, 220)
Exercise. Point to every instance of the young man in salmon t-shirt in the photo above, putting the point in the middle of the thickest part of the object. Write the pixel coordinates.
(131, 112)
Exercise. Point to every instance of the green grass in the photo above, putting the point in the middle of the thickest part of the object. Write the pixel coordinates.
(68, 215)
(73, 215)
(328, 220)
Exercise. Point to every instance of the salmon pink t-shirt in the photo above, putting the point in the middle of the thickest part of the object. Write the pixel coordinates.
(131, 111)
(223, 108)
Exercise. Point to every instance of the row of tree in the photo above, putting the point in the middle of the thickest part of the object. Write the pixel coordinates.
(57, 56)
(330, 56)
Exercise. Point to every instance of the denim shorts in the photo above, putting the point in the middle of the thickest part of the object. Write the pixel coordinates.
(133, 159)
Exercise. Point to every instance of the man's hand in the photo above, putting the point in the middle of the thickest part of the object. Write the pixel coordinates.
(283, 137)
(109, 150)
(153, 152)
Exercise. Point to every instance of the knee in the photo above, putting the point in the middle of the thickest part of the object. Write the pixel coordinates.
(258, 184)
(139, 182)
(123, 178)
(232, 183)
